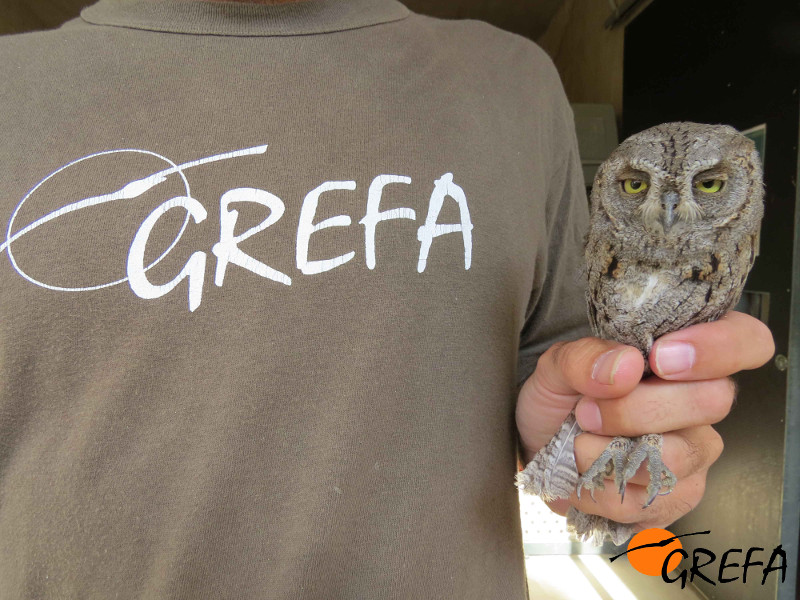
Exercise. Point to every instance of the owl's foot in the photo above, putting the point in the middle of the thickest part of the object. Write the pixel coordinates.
(649, 447)
(612, 460)
(623, 457)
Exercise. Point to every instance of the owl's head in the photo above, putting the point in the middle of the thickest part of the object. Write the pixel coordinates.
(676, 178)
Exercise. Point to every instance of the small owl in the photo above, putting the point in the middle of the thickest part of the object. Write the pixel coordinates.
(676, 211)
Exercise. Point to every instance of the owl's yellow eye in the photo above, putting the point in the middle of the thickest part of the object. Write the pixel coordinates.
(709, 186)
(634, 186)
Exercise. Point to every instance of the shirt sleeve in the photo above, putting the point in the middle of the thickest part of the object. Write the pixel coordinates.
(557, 307)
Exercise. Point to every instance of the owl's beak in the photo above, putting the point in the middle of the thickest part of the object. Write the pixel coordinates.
(669, 202)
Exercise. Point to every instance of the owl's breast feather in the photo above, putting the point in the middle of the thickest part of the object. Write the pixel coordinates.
(636, 303)
(638, 295)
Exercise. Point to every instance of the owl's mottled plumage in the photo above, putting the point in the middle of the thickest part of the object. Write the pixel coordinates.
(676, 211)
(673, 255)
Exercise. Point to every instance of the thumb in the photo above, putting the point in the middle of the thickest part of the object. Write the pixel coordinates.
(566, 372)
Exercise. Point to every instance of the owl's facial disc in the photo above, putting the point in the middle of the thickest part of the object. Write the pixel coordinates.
(666, 206)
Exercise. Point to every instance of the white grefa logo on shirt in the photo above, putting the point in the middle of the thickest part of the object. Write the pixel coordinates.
(227, 250)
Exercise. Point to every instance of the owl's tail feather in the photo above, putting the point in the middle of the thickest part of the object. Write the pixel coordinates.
(595, 529)
(553, 473)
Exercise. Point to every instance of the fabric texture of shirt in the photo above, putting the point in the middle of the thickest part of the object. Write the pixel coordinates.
(270, 278)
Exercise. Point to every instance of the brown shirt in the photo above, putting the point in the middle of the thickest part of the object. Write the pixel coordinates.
(269, 278)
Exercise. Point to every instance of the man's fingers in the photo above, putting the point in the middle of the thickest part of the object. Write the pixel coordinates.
(684, 452)
(656, 406)
(600, 368)
(663, 511)
(592, 366)
(712, 350)
(559, 506)
(604, 376)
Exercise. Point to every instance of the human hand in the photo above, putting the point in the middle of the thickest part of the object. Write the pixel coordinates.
(690, 391)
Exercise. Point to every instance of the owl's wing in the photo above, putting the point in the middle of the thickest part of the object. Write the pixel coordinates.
(728, 291)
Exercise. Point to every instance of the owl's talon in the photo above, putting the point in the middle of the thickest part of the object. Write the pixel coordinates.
(660, 478)
(611, 461)
(590, 485)
(649, 447)
(622, 458)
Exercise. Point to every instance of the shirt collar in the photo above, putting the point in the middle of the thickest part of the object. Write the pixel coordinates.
(242, 18)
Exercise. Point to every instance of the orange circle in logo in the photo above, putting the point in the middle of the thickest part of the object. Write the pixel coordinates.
(650, 560)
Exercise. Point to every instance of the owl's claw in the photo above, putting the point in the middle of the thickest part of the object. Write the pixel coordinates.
(612, 460)
(597, 482)
(649, 447)
(623, 457)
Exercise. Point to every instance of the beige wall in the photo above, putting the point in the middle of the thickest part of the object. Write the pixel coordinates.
(588, 56)
(528, 18)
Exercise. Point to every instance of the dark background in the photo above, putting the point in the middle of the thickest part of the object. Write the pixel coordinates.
(718, 61)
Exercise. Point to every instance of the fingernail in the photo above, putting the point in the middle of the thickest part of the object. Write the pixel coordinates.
(674, 357)
(606, 366)
(588, 415)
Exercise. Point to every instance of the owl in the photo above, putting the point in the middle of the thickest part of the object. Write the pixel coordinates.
(675, 218)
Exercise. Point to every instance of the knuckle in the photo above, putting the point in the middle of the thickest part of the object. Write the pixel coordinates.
(694, 456)
(554, 353)
(679, 503)
(566, 354)
(715, 444)
(583, 350)
(693, 452)
(662, 510)
(675, 507)
(719, 397)
(569, 362)
(551, 361)
(690, 498)
(733, 390)
(666, 518)
(620, 512)
(665, 512)
(608, 505)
